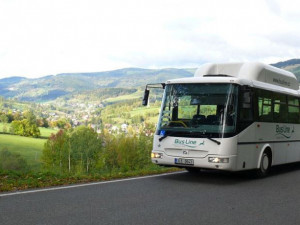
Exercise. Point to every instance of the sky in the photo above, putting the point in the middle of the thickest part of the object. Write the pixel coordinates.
(48, 37)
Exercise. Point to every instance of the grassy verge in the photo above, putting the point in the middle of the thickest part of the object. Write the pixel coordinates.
(13, 181)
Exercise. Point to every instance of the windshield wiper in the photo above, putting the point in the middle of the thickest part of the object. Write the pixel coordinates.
(213, 140)
(167, 135)
(163, 137)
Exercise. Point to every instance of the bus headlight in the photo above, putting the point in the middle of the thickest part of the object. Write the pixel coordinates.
(156, 155)
(218, 160)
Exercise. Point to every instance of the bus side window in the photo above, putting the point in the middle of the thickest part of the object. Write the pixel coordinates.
(293, 109)
(264, 105)
(280, 108)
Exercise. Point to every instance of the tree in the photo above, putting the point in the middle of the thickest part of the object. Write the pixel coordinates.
(86, 147)
(56, 152)
(45, 123)
(17, 116)
(62, 124)
(25, 128)
(4, 120)
(29, 115)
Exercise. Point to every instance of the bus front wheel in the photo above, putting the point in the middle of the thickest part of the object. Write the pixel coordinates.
(265, 164)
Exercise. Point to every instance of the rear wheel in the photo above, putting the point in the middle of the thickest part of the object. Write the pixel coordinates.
(193, 170)
(265, 164)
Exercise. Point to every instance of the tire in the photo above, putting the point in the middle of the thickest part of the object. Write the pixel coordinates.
(193, 170)
(265, 165)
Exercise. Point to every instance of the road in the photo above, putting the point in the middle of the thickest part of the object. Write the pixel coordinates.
(210, 197)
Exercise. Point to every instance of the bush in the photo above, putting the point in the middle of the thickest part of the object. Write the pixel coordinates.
(126, 153)
(12, 161)
(25, 128)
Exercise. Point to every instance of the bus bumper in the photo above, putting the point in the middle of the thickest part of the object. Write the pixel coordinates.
(218, 162)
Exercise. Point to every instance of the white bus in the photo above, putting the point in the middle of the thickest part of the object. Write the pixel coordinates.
(232, 116)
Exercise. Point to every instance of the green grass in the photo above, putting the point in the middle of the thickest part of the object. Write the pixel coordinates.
(134, 95)
(46, 132)
(144, 110)
(140, 111)
(12, 181)
(29, 148)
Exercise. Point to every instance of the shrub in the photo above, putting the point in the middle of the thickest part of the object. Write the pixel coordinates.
(12, 161)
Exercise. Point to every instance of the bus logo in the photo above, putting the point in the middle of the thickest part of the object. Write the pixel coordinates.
(187, 143)
(284, 131)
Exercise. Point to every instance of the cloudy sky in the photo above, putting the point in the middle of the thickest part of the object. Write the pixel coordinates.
(44, 37)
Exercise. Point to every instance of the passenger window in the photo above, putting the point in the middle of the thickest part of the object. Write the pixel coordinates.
(265, 109)
(293, 110)
(280, 109)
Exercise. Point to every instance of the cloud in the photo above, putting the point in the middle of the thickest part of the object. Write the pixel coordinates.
(49, 37)
(273, 6)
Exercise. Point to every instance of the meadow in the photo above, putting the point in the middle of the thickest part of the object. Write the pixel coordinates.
(29, 148)
(136, 95)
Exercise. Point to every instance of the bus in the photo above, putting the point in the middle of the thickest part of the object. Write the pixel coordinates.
(230, 116)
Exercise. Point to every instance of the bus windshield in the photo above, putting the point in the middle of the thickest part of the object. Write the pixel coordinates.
(199, 110)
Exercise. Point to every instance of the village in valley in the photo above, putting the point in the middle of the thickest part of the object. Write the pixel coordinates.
(116, 118)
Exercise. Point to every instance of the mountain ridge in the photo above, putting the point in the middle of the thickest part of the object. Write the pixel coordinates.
(53, 86)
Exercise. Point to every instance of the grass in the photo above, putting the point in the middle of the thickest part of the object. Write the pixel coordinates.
(13, 181)
(144, 111)
(150, 115)
(134, 95)
(46, 132)
(29, 148)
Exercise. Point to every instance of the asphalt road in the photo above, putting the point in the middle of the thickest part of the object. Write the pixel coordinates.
(207, 198)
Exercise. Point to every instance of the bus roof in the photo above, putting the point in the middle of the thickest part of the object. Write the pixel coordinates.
(253, 71)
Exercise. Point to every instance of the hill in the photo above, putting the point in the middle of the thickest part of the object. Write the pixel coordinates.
(51, 87)
(292, 65)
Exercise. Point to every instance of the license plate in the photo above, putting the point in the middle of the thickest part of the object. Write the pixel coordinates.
(184, 161)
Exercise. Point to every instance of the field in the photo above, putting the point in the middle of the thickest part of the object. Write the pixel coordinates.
(153, 111)
(46, 132)
(135, 95)
(29, 148)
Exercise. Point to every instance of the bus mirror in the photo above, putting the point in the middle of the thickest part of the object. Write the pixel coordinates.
(146, 97)
(146, 93)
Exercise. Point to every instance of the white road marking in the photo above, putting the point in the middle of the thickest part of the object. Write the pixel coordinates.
(88, 184)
